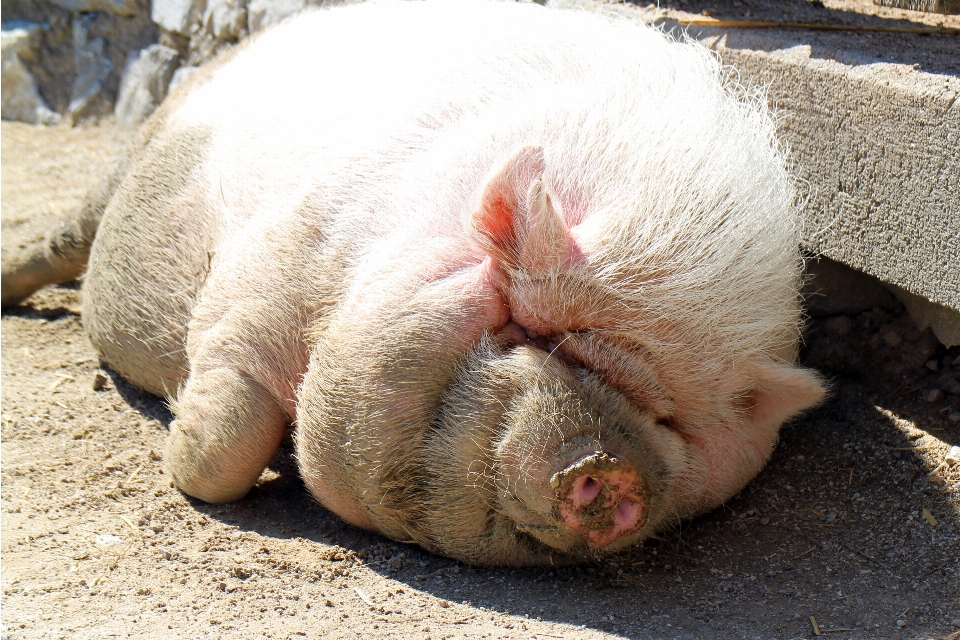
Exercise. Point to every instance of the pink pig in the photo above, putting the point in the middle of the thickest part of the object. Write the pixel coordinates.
(524, 280)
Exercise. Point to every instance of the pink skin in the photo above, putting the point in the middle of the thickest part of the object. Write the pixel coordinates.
(602, 497)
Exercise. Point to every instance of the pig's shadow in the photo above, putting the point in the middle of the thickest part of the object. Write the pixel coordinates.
(153, 407)
(830, 515)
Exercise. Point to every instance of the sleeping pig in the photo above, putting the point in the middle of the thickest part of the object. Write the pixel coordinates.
(524, 280)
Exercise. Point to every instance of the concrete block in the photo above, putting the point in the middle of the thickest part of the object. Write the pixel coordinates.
(876, 144)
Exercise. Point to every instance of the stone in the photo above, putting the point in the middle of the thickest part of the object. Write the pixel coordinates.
(126, 8)
(942, 320)
(20, 96)
(180, 76)
(873, 131)
(838, 325)
(953, 455)
(178, 16)
(93, 67)
(266, 13)
(146, 79)
(935, 395)
(225, 19)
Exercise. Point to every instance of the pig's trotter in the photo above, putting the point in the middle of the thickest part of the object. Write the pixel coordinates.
(601, 496)
(60, 257)
(62, 254)
(227, 428)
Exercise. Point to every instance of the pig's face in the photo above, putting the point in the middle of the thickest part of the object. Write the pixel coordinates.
(540, 459)
(591, 420)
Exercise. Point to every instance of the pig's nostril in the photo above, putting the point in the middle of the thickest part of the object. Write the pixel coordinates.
(626, 515)
(585, 490)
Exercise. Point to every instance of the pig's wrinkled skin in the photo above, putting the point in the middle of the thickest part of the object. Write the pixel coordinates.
(524, 280)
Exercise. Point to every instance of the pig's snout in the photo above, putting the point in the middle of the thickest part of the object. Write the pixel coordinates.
(601, 496)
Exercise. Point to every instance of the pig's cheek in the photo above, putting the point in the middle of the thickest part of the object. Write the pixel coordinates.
(493, 311)
(530, 312)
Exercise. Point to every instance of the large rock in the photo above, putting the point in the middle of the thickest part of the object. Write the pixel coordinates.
(180, 76)
(179, 16)
(21, 98)
(93, 67)
(266, 13)
(146, 78)
(225, 19)
(126, 8)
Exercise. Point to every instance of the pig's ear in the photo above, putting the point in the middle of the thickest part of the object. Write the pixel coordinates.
(778, 392)
(518, 222)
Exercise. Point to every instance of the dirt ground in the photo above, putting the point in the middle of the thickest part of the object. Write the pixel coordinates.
(852, 531)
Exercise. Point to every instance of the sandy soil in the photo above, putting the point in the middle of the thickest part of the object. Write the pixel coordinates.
(853, 531)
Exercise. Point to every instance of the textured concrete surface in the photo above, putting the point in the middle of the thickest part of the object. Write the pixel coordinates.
(877, 144)
(871, 117)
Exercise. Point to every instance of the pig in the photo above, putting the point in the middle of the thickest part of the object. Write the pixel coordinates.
(524, 280)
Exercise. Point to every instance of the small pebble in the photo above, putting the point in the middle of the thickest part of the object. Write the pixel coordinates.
(932, 365)
(935, 395)
(830, 517)
(893, 339)
(954, 417)
(764, 521)
(839, 325)
(953, 456)
(901, 623)
(99, 380)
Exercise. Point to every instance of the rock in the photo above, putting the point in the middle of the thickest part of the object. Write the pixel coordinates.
(954, 417)
(952, 386)
(893, 339)
(225, 19)
(180, 76)
(838, 325)
(93, 66)
(266, 13)
(935, 395)
(953, 456)
(126, 8)
(178, 16)
(944, 321)
(833, 288)
(932, 365)
(20, 95)
(145, 81)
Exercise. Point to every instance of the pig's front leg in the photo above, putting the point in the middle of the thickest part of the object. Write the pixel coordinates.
(227, 428)
(375, 379)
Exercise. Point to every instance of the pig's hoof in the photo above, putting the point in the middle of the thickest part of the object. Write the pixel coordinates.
(602, 497)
